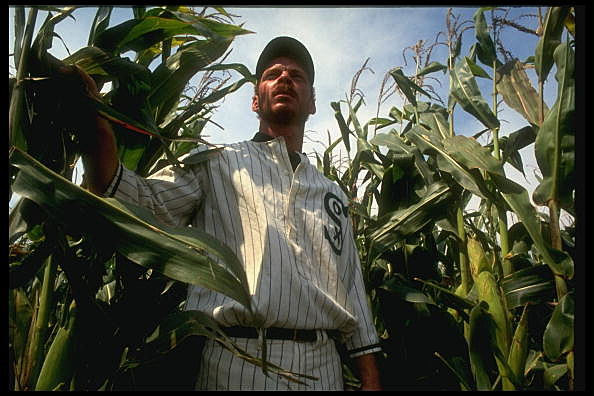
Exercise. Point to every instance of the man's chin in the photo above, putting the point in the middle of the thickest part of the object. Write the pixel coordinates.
(280, 116)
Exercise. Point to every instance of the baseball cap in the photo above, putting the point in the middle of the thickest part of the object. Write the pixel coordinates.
(289, 47)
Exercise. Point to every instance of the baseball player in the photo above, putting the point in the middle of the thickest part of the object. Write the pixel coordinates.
(288, 225)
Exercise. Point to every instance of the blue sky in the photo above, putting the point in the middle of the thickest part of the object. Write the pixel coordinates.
(340, 39)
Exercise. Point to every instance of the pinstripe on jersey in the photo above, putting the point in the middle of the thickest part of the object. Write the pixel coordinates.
(288, 229)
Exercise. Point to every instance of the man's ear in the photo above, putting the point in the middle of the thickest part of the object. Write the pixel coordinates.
(312, 107)
(255, 104)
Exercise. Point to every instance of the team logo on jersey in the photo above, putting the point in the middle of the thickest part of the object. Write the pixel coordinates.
(337, 211)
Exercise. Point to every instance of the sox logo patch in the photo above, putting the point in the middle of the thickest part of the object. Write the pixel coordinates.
(337, 211)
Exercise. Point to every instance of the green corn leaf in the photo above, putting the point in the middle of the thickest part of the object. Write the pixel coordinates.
(550, 39)
(472, 155)
(457, 48)
(433, 117)
(100, 23)
(407, 86)
(558, 335)
(138, 11)
(447, 163)
(554, 147)
(178, 326)
(403, 222)
(516, 141)
(485, 47)
(19, 32)
(184, 254)
(344, 129)
(553, 373)
(559, 262)
(393, 142)
(431, 68)
(481, 329)
(17, 111)
(532, 285)
(465, 91)
(60, 361)
(170, 78)
(519, 347)
(476, 70)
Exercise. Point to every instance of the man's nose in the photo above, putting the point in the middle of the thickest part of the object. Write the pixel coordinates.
(285, 75)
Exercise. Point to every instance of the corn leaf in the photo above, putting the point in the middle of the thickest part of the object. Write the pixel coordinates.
(485, 47)
(514, 142)
(480, 337)
(559, 262)
(170, 78)
(558, 335)
(60, 361)
(519, 348)
(17, 112)
(19, 32)
(550, 39)
(400, 223)
(517, 91)
(465, 91)
(407, 86)
(431, 68)
(530, 285)
(554, 146)
(100, 23)
(447, 163)
(183, 254)
(344, 129)
(180, 325)
(472, 155)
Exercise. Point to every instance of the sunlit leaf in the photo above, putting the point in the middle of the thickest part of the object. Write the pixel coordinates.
(184, 254)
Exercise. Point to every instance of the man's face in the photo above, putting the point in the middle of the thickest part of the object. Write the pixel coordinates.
(284, 93)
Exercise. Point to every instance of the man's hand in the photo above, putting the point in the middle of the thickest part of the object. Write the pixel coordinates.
(368, 372)
(97, 142)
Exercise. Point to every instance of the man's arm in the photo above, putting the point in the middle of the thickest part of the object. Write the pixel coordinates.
(368, 372)
(101, 159)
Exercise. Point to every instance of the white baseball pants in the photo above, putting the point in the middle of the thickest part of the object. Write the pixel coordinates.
(221, 370)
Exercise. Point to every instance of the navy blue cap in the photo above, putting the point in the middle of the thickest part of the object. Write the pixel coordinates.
(289, 47)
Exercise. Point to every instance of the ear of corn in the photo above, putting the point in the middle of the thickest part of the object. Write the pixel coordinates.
(476, 256)
(489, 292)
(59, 364)
(478, 340)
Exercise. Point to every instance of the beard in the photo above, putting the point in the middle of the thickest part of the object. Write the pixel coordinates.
(281, 115)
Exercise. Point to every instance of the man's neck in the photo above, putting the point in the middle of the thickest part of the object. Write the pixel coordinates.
(293, 134)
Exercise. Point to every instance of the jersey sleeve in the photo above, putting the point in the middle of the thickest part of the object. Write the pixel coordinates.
(172, 194)
(364, 338)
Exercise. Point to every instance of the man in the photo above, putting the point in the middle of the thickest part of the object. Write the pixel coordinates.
(286, 223)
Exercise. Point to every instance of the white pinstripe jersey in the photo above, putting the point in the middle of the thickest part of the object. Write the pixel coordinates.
(290, 230)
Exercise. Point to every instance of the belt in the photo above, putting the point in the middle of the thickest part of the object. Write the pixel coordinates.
(277, 333)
